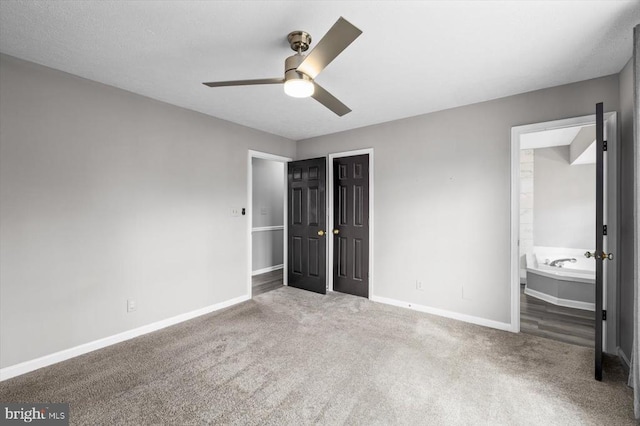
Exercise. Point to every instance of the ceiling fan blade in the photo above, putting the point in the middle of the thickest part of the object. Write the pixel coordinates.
(328, 100)
(339, 36)
(245, 82)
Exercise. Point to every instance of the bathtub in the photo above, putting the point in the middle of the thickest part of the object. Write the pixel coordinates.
(572, 285)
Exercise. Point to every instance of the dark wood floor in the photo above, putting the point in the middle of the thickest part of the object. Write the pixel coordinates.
(266, 282)
(575, 326)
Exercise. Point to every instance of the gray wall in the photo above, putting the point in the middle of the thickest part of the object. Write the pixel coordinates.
(268, 210)
(627, 255)
(106, 195)
(565, 200)
(442, 195)
(268, 192)
(267, 249)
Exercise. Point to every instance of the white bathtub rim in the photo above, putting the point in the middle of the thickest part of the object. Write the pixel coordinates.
(539, 254)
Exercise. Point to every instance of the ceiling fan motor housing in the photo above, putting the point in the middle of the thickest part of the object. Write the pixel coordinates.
(290, 66)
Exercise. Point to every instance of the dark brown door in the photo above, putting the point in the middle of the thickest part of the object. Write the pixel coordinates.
(307, 257)
(351, 225)
(599, 253)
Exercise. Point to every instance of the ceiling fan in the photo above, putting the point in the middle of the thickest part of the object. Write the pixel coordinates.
(300, 70)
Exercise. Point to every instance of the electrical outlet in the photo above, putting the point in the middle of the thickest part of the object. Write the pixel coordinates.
(419, 285)
(131, 305)
(263, 211)
(235, 211)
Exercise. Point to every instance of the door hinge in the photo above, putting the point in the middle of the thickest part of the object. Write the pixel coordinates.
(604, 315)
(604, 229)
(604, 145)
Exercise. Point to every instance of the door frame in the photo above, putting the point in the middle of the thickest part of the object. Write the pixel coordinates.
(272, 157)
(330, 207)
(610, 216)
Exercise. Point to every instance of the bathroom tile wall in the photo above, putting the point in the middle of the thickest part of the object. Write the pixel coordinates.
(526, 208)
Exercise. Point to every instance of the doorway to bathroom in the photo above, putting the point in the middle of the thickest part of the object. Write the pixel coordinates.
(553, 226)
(557, 226)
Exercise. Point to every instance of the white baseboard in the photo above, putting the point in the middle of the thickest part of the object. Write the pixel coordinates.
(267, 269)
(585, 306)
(624, 357)
(444, 313)
(44, 361)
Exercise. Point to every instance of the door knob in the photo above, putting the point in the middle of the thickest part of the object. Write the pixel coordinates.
(321, 233)
(336, 231)
(603, 255)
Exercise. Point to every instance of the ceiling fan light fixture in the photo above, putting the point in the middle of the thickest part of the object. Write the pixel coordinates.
(300, 71)
(299, 87)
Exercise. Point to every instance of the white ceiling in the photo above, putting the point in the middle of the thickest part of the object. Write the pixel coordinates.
(588, 156)
(563, 137)
(412, 58)
(549, 138)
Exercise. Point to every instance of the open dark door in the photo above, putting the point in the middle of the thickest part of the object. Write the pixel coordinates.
(307, 255)
(599, 255)
(351, 225)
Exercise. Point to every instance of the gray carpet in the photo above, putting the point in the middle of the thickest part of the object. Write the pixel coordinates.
(294, 357)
